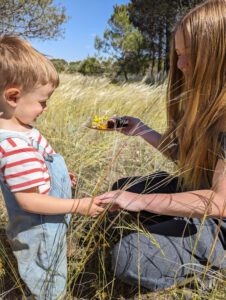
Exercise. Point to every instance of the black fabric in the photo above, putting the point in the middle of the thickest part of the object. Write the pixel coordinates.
(171, 248)
(159, 182)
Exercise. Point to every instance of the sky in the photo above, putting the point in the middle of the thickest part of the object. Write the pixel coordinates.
(88, 18)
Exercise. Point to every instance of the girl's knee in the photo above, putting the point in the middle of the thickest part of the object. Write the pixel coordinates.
(119, 259)
(123, 257)
(135, 260)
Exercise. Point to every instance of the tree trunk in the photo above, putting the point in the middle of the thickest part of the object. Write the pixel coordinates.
(167, 37)
(160, 46)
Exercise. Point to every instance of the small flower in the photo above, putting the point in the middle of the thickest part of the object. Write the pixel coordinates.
(99, 122)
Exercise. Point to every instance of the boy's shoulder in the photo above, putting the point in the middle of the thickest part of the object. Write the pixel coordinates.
(21, 163)
(11, 140)
(12, 143)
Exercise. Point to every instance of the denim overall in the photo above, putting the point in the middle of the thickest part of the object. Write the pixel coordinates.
(39, 241)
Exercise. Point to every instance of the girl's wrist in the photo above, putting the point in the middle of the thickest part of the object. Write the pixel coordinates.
(142, 129)
(145, 201)
(138, 202)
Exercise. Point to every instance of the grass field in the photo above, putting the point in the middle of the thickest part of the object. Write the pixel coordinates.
(98, 159)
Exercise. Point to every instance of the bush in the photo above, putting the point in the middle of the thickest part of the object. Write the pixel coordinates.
(90, 66)
(59, 64)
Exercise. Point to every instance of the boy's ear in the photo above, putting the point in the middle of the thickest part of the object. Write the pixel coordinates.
(12, 95)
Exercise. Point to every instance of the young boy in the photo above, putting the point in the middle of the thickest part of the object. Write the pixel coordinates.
(34, 179)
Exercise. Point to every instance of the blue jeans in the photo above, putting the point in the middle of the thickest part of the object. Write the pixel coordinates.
(39, 241)
(170, 249)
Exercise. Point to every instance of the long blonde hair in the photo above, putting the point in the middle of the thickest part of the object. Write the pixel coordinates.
(196, 108)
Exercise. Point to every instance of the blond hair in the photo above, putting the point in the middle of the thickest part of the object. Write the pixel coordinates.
(196, 108)
(22, 65)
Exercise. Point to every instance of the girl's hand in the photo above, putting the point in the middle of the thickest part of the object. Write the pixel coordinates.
(122, 200)
(89, 207)
(73, 179)
(135, 126)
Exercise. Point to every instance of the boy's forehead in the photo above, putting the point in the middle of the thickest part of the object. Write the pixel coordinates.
(43, 91)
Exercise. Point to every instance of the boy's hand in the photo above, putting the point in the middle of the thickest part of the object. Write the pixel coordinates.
(89, 207)
(73, 179)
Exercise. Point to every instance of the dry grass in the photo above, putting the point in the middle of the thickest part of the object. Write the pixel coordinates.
(98, 159)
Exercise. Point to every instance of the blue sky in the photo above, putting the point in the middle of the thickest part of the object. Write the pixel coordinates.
(87, 19)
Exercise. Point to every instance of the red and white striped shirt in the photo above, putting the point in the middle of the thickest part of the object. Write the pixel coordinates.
(21, 165)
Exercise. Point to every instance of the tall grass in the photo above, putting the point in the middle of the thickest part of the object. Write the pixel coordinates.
(98, 159)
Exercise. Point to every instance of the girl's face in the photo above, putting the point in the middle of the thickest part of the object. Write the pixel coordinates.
(183, 52)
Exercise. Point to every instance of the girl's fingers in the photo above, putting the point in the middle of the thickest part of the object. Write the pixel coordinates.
(107, 201)
(100, 209)
(113, 207)
(102, 197)
(97, 201)
(107, 195)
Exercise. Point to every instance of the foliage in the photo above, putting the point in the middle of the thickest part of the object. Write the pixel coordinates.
(73, 67)
(156, 20)
(90, 66)
(60, 64)
(138, 36)
(32, 19)
(123, 42)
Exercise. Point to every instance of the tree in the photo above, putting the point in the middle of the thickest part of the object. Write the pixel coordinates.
(32, 19)
(155, 19)
(123, 42)
(59, 64)
(73, 67)
(90, 66)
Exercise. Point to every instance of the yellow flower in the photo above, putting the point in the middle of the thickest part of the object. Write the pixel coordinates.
(99, 122)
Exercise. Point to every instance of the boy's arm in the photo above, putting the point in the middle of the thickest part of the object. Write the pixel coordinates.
(33, 202)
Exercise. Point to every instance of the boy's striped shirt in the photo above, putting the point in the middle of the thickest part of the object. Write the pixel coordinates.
(21, 165)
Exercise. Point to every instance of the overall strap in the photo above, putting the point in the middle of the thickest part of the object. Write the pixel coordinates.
(7, 135)
(31, 142)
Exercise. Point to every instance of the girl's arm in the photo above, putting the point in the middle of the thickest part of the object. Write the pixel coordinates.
(187, 204)
(33, 202)
(136, 127)
(150, 135)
